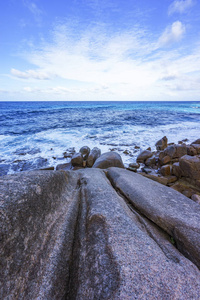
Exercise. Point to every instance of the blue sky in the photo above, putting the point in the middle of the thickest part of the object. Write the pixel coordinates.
(99, 50)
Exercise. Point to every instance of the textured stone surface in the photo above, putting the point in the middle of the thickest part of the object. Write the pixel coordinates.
(170, 210)
(77, 160)
(161, 144)
(107, 160)
(190, 166)
(37, 223)
(144, 155)
(94, 154)
(71, 235)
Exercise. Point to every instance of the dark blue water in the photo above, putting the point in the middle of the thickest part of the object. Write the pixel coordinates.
(42, 131)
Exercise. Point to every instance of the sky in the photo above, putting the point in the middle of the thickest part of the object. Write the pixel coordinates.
(99, 50)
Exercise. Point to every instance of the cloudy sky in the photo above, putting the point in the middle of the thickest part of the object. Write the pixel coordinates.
(99, 50)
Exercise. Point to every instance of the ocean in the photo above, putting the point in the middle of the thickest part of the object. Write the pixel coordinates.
(36, 134)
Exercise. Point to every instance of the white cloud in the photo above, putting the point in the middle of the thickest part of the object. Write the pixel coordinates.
(173, 33)
(30, 74)
(94, 65)
(180, 6)
(34, 9)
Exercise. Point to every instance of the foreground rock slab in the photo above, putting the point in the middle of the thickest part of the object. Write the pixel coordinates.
(176, 214)
(71, 235)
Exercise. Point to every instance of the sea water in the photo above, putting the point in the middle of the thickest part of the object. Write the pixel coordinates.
(36, 134)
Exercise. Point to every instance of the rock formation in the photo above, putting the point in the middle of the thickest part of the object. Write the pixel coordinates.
(94, 234)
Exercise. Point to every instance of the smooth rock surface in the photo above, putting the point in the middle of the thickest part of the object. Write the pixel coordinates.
(176, 214)
(94, 154)
(107, 160)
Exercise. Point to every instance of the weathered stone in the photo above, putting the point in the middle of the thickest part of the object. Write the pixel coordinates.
(37, 224)
(165, 160)
(156, 177)
(150, 161)
(107, 160)
(161, 144)
(134, 165)
(66, 166)
(191, 151)
(181, 150)
(69, 235)
(196, 147)
(94, 154)
(143, 156)
(196, 198)
(170, 210)
(165, 170)
(171, 179)
(176, 170)
(85, 151)
(170, 151)
(77, 160)
(196, 141)
(47, 169)
(190, 166)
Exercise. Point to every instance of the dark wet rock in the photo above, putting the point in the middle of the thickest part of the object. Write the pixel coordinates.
(136, 147)
(170, 210)
(161, 144)
(147, 170)
(171, 179)
(107, 160)
(196, 141)
(4, 168)
(77, 160)
(71, 235)
(85, 151)
(132, 169)
(165, 160)
(48, 168)
(94, 154)
(165, 170)
(176, 170)
(66, 166)
(196, 147)
(144, 155)
(69, 152)
(191, 150)
(156, 177)
(26, 150)
(134, 165)
(150, 161)
(190, 166)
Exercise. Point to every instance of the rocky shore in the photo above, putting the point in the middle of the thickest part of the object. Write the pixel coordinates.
(94, 230)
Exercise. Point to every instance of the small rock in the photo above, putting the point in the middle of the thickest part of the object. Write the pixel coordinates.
(191, 150)
(77, 160)
(150, 161)
(176, 170)
(94, 154)
(165, 160)
(161, 144)
(171, 179)
(165, 170)
(190, 166)
(170, 151)
(196, 142)
(85, 151)
(134, 165)
(144, 155)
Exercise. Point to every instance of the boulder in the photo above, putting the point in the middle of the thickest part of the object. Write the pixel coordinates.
(170, 210)
(107, 160)
(71, 235)
(165, 170)
(150, 161)
(190, 166)
(144, 155)
(77, 160)
(196, 141)
(85, 151)
(191, 150)
(165, 160)
(196, 147)
(176, 151)
(94, 154)
(161, 144)
(170, 151)
(176, 170)
(134, 165)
